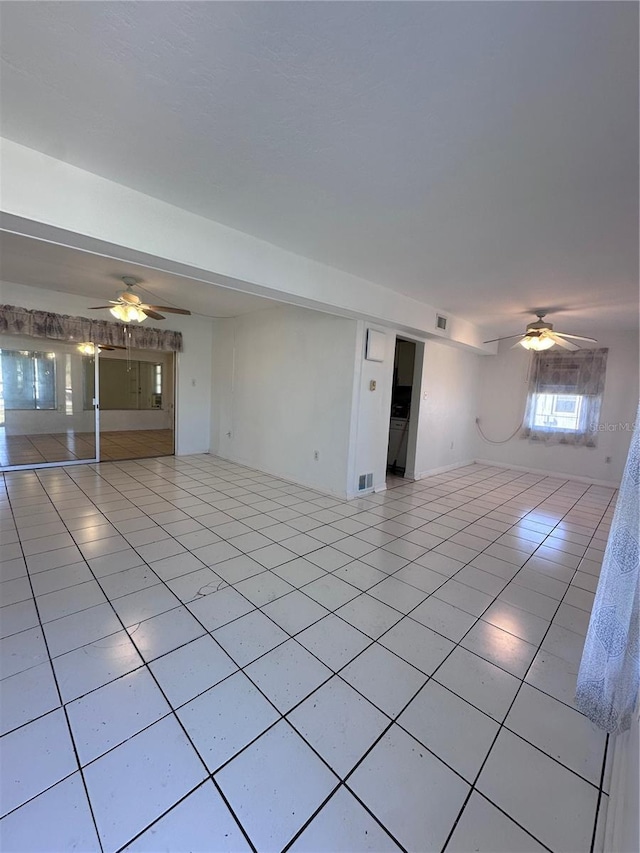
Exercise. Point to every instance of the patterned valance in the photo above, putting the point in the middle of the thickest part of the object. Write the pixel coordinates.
(61, 327)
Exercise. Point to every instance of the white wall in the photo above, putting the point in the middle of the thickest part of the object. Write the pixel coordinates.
(443, 409)
(446, 418)
(70, 205)
(282, 388)
(193, 371)
(503, 390)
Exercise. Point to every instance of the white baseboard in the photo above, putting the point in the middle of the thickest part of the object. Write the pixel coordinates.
(342, 495)
(441, 470)
(621, 834)
(546, 473)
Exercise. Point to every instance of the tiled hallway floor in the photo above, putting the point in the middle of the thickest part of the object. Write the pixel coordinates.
(200, 657)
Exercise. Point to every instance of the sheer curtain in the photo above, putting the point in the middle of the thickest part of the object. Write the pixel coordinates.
(609, 674)
(565, 392)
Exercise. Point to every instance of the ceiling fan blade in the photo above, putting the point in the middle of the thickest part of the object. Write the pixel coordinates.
(99, 307)
(168, 309)
(107, 349)
(506, 338)
(110, 347)
(562, 343)
(576, 337)
(153, 314)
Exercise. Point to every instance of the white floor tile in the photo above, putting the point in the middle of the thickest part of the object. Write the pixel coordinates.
(294, 612)
(287, 674)
(414, 795)
(138, 606)
(500, 647)
(59, 819)
(159, 761)
(260, 779)
(339, 723)
(201, 823)
(165, 632)
(263, 588)
(22, 651)
(194, 585)
(191, 669)
(84, 669)
(554, 675)
(344, 826)
(293, 555)
(369, 615)
(485, 829)
(516, 621)
(549, 801)
(27, 695)
(418, 645)
(34, 758)
(372, 672)
(333, 641)
(402, 596)
(463, 597)
(558, 730)
(226, 718)
(249, 637)
(479, 682)
(443, 618)
(330, 591)
(108, 716)
(455, 731)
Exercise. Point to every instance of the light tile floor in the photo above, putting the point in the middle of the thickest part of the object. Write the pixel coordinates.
(197, 656)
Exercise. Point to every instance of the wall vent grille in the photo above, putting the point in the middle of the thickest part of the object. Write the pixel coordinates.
(365, 481)
(441, 322)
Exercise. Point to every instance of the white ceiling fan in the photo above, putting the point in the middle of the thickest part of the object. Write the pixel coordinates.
(128, 306)
(541, 336)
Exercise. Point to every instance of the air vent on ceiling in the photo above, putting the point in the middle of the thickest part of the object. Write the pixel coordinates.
(365, 481)
(441, 322)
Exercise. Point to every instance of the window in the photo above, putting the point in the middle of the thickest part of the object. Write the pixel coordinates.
(557, 411)
(565, 394)
(28, 379)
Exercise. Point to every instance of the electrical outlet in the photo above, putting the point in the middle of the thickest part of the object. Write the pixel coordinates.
(316, 455)
(607, 459)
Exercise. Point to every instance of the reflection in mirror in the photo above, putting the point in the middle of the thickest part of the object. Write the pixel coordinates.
(42, 414)
(125, 384)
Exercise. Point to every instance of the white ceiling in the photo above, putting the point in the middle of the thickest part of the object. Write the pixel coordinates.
(480, 156)
(39, 264)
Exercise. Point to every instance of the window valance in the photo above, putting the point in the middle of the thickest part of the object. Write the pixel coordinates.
(61, 327)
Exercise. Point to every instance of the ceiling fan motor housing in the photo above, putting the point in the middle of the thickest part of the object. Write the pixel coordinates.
(539, 326)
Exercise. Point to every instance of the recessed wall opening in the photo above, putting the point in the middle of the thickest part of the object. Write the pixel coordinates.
(400, 433)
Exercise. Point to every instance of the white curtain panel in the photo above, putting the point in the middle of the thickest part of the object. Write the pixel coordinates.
(609, 675)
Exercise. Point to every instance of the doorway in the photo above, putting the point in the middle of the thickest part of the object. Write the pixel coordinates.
(401, 411)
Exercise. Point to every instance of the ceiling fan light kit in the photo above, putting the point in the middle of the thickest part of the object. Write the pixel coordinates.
(127, 313)
(129, 307)
(538, 343)
(540, 336)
